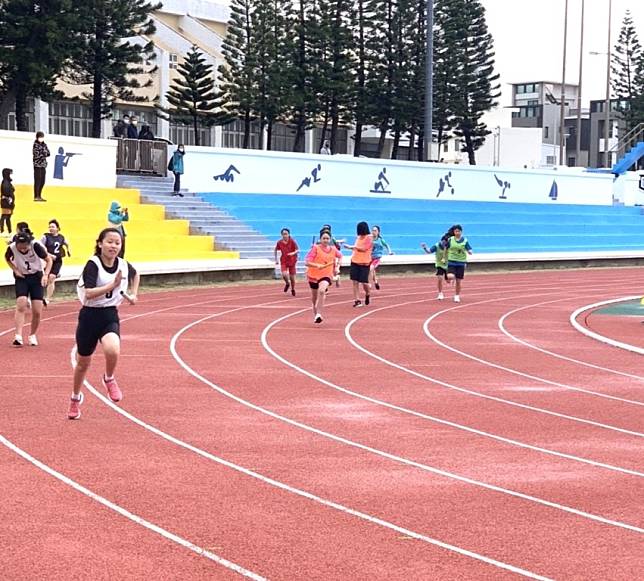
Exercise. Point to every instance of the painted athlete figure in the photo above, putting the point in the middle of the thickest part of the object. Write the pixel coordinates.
(101, 289)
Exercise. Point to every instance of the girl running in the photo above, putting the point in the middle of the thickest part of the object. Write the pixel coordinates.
(25, 257)
(288, 249)
(457, 250)
(379, 245)
(360, 262)
(320, 263)
(58, 248)
(338, 262)
(440, 250)
(101, 289)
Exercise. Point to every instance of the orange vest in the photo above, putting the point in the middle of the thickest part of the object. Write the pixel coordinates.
(322, 257)
(363, 258)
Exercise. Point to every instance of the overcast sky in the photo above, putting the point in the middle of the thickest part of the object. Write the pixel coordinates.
(528, 38)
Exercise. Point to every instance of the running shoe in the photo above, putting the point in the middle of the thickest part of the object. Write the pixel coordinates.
(357, 303)
(336, 279)
(318, 319)
(33, 340)
(112, 389)
(293, 291)
(440, 296)
(377, 286)
(45, 303)
(367, 299)
(74, 412)
(17, 341)
(286, 287)
(457, 299)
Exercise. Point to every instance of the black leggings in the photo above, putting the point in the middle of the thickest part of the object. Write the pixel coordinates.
(177, 181)
(5, 219)
(39, 181)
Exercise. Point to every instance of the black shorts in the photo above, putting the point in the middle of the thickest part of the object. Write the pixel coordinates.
(457, 270)
(359, 272)
(93, 324)
(315, 285)
(30, 286)
(56, 266)
(440, 271)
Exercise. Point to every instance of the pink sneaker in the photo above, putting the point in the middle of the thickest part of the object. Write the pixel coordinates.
(112, 389)
(74, 412)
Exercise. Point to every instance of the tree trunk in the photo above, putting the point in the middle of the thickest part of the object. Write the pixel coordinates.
(410, 149)
(97, 104)
(357, 144)
(269, 134)
(394, 149)
(21, 109)
(469, 147)
(300, 130)
(383, 135)
(421, 146)
(246, 142)
(195, 127)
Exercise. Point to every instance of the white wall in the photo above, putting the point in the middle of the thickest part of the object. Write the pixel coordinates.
(94, 165)
(629, 188)
(513, 147)
(283, 173)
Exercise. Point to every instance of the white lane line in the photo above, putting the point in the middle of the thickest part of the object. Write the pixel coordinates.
(469, 391)
(489, 363)
(129, 515)
(597, 336)
(502, 327)
(302, 493)
(427, 416)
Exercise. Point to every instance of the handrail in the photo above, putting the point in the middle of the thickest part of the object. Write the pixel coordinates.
(632, 137)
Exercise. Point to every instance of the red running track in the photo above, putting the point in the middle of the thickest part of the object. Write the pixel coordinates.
(413, 439)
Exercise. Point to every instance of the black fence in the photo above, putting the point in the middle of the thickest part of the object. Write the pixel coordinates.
(142, 156)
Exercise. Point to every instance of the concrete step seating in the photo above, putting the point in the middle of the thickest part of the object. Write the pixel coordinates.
(492, 227)
(82, 213)
(204, 219)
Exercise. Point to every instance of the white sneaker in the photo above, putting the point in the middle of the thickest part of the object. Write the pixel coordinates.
(33, 340)
(440, 296)
(457, 299)
(17, 341)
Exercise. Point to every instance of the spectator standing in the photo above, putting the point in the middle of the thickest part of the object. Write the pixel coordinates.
(146, 133)
(7, 200)
(120, 129)
(40, 155)
(132, 131)
(326, 148)
(116, 216)
(176, 167)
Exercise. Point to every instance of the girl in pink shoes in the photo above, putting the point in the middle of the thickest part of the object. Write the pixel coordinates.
(101, 289)
(379, 245)
(320, 268)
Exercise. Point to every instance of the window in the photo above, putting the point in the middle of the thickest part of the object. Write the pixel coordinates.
(174, 61)
(8, 121)
(520, 89)
(185, 134)
(144, 117)
(70, 118)
(546, 131)
(446, 146)
(551, 159)
(233, 135)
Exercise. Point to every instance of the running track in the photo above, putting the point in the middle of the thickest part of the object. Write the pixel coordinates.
(413, 439)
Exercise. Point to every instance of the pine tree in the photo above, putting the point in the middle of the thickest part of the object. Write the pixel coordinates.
(237, 74)
(475, 84)
(192, 96)
(108, 59)
(36, 41)
(627, 72)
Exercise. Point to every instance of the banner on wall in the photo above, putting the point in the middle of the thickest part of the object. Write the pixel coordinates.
(73, 161)
(251, 172)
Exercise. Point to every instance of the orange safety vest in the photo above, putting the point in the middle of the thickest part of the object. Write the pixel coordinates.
(363, 258)
(322, 257)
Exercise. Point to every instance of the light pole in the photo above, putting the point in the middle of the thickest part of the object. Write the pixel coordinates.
(562, 112)
(581, 64)
(607, 106)
(429, 81)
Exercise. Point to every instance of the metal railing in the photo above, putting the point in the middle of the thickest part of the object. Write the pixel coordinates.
(142, 156)
(628, 141)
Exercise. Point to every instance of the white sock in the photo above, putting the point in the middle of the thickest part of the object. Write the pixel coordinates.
(76, 397)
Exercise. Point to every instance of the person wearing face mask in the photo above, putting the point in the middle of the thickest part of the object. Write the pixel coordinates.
(40, 155)
(132, 131)
(7, 200)
(176, 167)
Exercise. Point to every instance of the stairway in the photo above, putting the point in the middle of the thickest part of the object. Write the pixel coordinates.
(629, 160)
(205, 219)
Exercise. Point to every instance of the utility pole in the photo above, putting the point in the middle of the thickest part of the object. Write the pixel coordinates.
(429, 81)
(562, 112)
(581, 65)
(607, 104)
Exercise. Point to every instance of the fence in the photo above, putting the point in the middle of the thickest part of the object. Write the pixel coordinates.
(142, 156)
